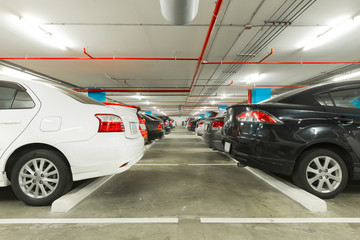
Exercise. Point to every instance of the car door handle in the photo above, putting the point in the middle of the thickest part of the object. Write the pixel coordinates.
(344, 120)
(9, 123)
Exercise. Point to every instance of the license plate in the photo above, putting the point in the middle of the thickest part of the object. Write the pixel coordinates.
(133, 128)
(227, 147)
(142, 126)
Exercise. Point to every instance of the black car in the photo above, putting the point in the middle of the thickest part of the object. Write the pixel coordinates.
(167, 126)
(193, 124)
(212, 131)
(312, 134)
(154, 127)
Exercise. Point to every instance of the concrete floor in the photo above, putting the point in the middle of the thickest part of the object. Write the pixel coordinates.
(188, 192)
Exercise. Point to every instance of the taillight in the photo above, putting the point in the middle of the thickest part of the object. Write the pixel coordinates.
(217, 125)
(256, 117)
(190, 123)
(159, 127)
(142, 125)
(110, 123)
(201, 123)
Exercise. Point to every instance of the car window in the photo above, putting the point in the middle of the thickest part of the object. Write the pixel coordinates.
(6, 97)
(22, 100)
(78, 96)
(349, 98)
(326, 99)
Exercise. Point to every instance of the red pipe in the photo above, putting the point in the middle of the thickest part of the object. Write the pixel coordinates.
(254, 85)
(88, 54)
(97, 58)
(86, 88)
(280, 63)
(128, 90)
(249, 96)
(271, 52)
(210, 29)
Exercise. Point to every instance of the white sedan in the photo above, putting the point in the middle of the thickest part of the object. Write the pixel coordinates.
(52, 136)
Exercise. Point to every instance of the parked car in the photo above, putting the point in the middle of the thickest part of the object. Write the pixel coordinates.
(200, 125)
(192, 124)
(154, 127)
(212, 131)
(166, 120)
(199, 129)
(188, 120)
(52, 136)
(172, 123)
(310, 133)
(142, 127)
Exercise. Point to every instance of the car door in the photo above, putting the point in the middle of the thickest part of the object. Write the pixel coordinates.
(344, 106)
(17, 109)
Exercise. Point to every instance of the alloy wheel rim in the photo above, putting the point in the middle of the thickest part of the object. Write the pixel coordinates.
(38, 178)
(324, 174)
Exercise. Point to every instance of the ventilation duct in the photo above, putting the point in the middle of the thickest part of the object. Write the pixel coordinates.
(179, 12)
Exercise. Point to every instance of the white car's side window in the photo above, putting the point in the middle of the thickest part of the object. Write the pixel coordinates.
(6, 97)
(22, 100)
(14, 97)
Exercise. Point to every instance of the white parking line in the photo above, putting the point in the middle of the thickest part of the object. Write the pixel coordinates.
(213, 164)
(86, 220)
(279, 220)
(71, 199)
(306, 199)
(158, 164)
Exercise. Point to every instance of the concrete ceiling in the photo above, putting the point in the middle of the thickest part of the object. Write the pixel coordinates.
(136, 29)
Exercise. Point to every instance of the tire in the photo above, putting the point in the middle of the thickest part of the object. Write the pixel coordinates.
(40, 176)
(321, 172)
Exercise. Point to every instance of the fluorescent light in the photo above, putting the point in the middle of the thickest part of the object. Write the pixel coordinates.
(253, 78)
(347, 76)
(34, 29)
(147, 102)
(339, 27)
(223, 96)
(212, 102)
(16, 74)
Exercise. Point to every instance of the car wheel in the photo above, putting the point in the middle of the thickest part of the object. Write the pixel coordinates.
(40, 176)
(321, 172)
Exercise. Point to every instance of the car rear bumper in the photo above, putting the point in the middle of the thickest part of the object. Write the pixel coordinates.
(155, 134)
(251, 152)
(104, 154)
(213, 139)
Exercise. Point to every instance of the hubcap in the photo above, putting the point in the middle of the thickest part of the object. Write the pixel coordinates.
(38, 178)
(324, 174)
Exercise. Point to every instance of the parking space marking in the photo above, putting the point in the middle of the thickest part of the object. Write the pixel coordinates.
(71, 199)
(279, 220)
(213, 164)
(306, 199)
(86, 220)
(157, 164)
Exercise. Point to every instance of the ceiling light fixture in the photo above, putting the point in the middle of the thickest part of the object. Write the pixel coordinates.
(212, 102)
(33, 28)
(347, 76)
(253, 78)
(147, 102)
(338, 28)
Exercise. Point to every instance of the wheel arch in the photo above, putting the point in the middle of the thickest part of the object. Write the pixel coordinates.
(338, 149)
(26, 148)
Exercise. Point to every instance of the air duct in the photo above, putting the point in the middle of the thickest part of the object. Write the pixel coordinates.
(179, 12)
